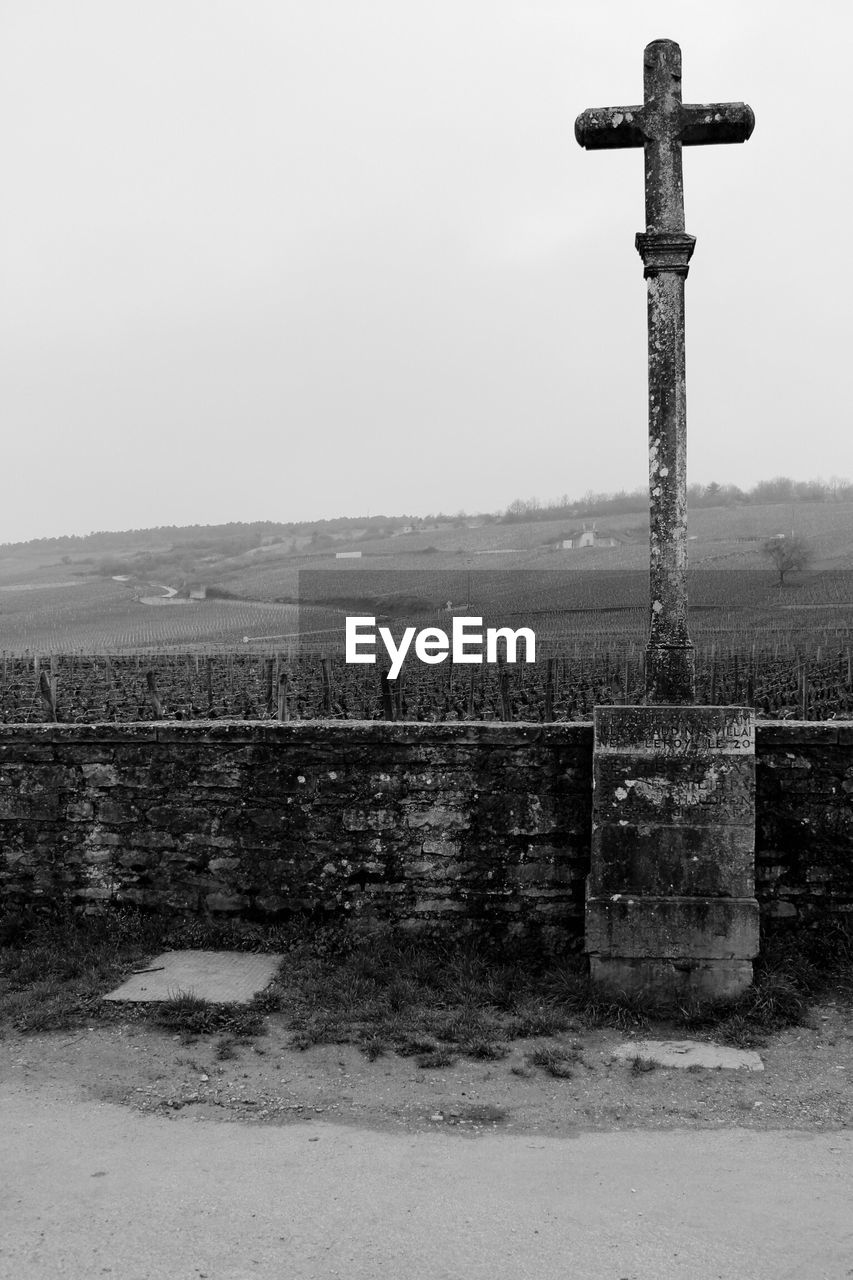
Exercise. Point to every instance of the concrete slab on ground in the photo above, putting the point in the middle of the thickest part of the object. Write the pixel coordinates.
(690, 1053)
(219, 977)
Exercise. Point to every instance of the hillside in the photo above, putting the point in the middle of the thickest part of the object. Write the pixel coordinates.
(123, 592)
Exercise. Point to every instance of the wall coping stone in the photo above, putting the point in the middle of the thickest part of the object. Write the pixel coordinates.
(803, 733)
(464, 732)
(769, 733)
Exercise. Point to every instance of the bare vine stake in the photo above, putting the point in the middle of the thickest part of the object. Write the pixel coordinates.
(53, 677)
(803, 690)
(470, 708)
(153, 695)
(503, 685)
(327, 686)
(47, 692)
(283, 708)
(387, 704)
(549, 690)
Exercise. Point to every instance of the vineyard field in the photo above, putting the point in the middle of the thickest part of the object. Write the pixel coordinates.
(98, 616)
(780, 682)
(225, 622)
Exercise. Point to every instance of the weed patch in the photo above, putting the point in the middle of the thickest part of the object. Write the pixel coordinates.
(484, 1050)
(373, 1046)
(186, 1014)
(538, 1019)
(435, 1058)
(557, 1060)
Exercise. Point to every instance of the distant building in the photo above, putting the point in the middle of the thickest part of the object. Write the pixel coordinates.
(586, 538)
(347, 555)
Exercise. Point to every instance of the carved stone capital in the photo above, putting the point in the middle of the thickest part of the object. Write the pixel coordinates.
(665, 251)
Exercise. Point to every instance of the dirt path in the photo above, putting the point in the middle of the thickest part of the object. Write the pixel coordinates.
(92, 1189)
(807, 1082)
(127, 1153)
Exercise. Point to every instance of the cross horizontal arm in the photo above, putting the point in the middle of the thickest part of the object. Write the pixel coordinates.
(600, 128)
(603, 128)
(718, 122)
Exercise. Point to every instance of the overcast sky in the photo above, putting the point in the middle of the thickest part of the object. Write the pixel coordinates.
(286, 259)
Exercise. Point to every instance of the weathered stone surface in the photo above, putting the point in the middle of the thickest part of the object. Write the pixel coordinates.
(672, 928)
(381, 821)
(661, 125)
(684, 1054)
(671, 981)
(804, 827)
(691, 862)
(671, 874)
(683, 733)
(691, 769)
(222, 977)
(691, 792)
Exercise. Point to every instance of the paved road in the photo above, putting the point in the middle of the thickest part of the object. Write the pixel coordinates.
(92, 1189)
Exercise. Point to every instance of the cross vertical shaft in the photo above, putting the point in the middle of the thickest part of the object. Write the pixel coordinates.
(669, 654)
(662, 125)
(665, 249)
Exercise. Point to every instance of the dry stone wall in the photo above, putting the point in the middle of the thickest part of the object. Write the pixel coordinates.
(406, 822)
(804, 819)
(439, 825)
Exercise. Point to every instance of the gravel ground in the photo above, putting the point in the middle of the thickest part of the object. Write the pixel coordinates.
(807, 1082)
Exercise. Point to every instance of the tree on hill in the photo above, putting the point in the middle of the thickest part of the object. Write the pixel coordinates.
(788, 554)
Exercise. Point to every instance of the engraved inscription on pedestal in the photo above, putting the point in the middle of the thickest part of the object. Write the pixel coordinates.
(670, 896)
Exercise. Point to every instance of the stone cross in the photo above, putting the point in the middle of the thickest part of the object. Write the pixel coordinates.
(662, 126)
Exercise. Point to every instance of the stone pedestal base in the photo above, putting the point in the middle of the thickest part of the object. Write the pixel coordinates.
(671, 910)
(670, 982)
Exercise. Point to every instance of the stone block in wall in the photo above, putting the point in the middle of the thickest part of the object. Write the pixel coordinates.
(437, 818)
(179, 819)
(674, 928)
(101, 775)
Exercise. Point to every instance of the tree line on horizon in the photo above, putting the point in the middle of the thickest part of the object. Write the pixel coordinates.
(781, 489)
(235, 537)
